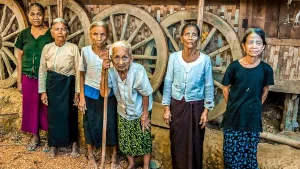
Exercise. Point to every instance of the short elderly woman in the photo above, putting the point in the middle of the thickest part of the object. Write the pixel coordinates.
(188, 96)
(91, 102)
(133, 91)
(58, 82)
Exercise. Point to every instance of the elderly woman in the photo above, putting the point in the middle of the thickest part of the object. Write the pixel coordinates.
(188, 96)
(30, 44)
(133, 91)
(58, 82)
(248, 79)
(91, 103)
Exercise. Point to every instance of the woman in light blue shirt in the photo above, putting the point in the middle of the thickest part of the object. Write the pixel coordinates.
(188, 96)
(91, 103)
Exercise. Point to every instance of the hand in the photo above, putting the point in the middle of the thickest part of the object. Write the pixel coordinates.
(44, 98)
(19, 87)
(167, 115)
(82, 105)
(145, 122)
(76, 99)
(105, 64)
(203, 119)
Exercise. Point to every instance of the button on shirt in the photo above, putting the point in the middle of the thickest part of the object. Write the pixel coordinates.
(32, 49)
(193, 81)
(130, 91)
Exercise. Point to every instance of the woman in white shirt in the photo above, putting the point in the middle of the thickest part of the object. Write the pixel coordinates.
(91, 102)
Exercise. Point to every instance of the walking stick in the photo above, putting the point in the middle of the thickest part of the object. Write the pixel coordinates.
(105, 74)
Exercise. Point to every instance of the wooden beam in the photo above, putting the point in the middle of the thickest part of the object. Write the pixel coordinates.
(25, 4)
(286, 86)
(200, 16)
(60, 8)
(157, 2)
(242, 16)
(290, 112)
(283, 42)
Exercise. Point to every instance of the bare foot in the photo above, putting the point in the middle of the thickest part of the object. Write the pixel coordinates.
(113, 164)
(52, 152)
(130, 167)
(146, 167)
(75, 153)
(92, 162)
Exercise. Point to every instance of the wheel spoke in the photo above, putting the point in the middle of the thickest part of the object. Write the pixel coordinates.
(2, 75)
(10, 35)
(149, 75)
(113, 28)
(8, 25)
(145, 57)
(50, 15)
(72, 20)
(182, 23)
(222, 49)
(219, 69)
(8, 44)
(174, 43)
(209, 36)
(7, 64)
(124, 27)
(9, 54)
(3, 17)
(135, 32)
(142, 42)
(75, 34)
(218, 84)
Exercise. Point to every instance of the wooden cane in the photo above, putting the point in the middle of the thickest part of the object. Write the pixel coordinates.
(105, 78)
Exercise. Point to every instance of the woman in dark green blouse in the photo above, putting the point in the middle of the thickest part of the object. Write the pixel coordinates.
(248, 79)
(30, 44)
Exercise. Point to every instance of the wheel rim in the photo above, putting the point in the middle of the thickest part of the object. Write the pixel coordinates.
(141, 30)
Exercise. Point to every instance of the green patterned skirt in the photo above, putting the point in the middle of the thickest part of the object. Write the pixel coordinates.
(132, 140)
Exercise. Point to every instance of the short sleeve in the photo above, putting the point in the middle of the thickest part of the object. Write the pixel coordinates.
(269, 77)
(143, 85)
(228, 76)
(19, 43)
(82, 65)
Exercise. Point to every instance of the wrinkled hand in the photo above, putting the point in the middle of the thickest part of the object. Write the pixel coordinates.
(167, 115)
(76, 99)
(44, 98)
(105, 64)
(145, 121)
(203, 119)
(19, 87)
(82, 105)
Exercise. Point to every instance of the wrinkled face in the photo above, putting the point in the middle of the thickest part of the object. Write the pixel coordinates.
(189, 38)
(98, 35)
(59, 31)
(253, 45)
(35, 16)
(121, 58)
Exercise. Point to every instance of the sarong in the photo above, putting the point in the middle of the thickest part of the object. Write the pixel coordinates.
(34, 116)
(93, 121)
(62, 115)
(240, 149)
(186, 134)
(132, 140)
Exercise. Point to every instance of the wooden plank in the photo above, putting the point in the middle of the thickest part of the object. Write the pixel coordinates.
(249, 12)
(271, 20)
(258, 13)
(283, 42)
(286, 86)
(284, 26)
(157, 2)
(60, 8)
(290, 112)
(295, 32)
(157, 115)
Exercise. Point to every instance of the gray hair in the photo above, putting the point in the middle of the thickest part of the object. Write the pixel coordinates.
(58, 20)
(100, 23)
(122, 43)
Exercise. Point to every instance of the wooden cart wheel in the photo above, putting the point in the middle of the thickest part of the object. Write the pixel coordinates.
(12, 21)
(141, 30)
(219, 41)
(76, 16)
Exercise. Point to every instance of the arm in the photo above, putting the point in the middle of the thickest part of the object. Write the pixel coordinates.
(265, 94)
(225, 90)
(145, 121)
(42, 78)
(20, 54)
(81, 104)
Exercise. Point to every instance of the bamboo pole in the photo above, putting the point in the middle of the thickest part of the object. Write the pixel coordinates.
(105, 74)
(60, 8)
(280, 139)
(200, 18)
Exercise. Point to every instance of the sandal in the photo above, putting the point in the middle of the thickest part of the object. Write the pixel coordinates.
(46, 148)
(33, 146)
